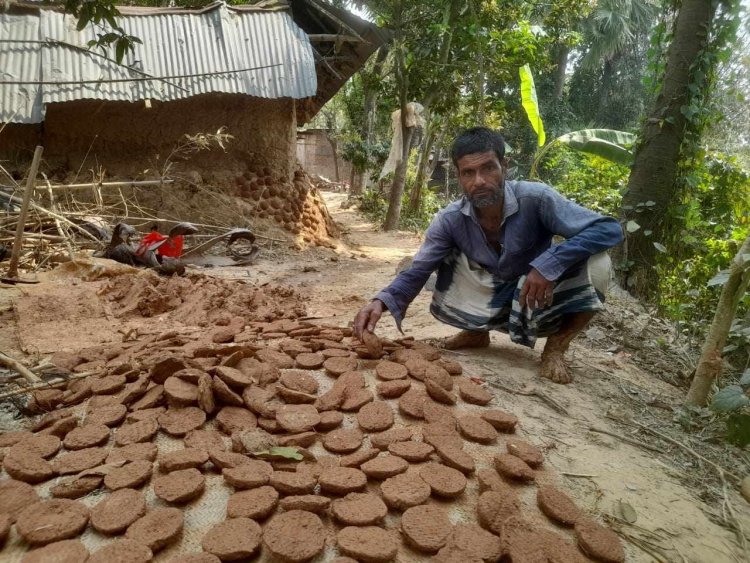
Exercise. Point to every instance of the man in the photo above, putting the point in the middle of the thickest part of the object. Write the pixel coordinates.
(497, 267)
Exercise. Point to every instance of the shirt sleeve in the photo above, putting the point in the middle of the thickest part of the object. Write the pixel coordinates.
(586, 233)
(401, 292)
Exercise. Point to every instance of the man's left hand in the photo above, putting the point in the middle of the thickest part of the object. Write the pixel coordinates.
(536, 292)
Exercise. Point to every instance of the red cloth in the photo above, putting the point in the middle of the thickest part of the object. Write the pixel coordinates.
(172, 247)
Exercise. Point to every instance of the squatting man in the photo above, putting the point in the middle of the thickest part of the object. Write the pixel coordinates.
(497, 268)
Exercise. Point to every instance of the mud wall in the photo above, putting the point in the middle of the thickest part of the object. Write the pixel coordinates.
(316, 156)
(126, 138)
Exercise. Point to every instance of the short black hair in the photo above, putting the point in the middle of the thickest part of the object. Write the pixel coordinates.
(478, 139)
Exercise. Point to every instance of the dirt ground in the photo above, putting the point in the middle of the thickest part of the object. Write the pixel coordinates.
(594, 432)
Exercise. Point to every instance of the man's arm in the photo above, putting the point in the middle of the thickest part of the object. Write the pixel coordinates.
(407, 285)
(586, 233)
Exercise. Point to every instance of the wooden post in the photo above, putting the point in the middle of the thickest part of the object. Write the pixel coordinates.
(30, 183)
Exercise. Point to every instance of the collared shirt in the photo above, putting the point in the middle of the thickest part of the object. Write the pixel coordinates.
(532, 214)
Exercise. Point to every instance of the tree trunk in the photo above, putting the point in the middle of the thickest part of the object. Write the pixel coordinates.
(604, 90)
(423, 163)
(561, 63)
(710, 363)
(653, 175)
(399, 178)
(334, 147)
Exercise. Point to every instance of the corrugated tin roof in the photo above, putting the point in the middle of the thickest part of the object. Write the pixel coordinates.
(45, 47)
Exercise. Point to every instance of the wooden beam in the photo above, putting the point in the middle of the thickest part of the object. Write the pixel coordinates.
(335, 38)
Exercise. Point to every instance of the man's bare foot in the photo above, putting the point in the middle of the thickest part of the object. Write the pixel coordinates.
(553, 367)
(467, 339)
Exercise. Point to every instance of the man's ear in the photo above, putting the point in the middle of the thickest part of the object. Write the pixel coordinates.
(504, 163)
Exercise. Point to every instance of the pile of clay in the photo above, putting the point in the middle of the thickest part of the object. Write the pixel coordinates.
(327, 447)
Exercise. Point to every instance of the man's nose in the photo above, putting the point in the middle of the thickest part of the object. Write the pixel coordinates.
(479, 180)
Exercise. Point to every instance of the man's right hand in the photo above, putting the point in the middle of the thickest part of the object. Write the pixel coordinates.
(368, 317)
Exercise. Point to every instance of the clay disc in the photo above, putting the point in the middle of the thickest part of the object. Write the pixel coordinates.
(356, 399)
(234, 419)
(342, 480)
(109, 416)
(178, 422)
(338, 366)
(41, 445)
(180, 393)
(295, 536)
(472, 393)
(439, 414)
(254, 473)
(276, 358)
(182, 459)
(16, 496)
(122, 551)
(86, 436)
(235, 378)
(76, 487)
(293, 483)
(107, 385)
(311, 360)
(141, 431)
(237, 538)
(439, 393)
(65, 551)
(299, 380)
(310, 503)
(426, 527)
(52, 520)
(180, 486)
(392, 389)
(335, 353)
(382, 440)
(412, 403)
(514, 468)
(367, 543)
(404, 491)
(384, 466)
(558, 506)
(475, 429)
(532, 455)
(389, 371)
(130, 476)
(500, 420)
(358, 458)
(451, 366)
(476, 542)
(118, 511)
(157, 529)
(494, 508)
(133, 452)
(28, 467)
(599, 542)
(5, 525)
(80, 460)
(329, 420)
(11, 438)
(443, 481)
(438, 434)
(489, 480)
(456, 458)
(359, 509)
(375, 417)
(413, 452)
(208, 440)
(297, 418)
(254, 503)
(343, 440)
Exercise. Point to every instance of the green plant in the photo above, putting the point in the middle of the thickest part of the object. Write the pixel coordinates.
(733, 401)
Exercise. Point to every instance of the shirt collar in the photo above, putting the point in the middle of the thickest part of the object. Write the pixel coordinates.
(510, 202)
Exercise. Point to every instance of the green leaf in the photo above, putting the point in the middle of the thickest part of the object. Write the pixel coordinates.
(288, 453)
(719, 279)
(632, 226)
(745, 379)
(531, 104)
(612, 145)
(626, 511)
(729, 399)
(738, 429)
(660, 247)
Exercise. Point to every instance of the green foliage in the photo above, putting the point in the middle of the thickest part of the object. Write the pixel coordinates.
(374, 206)
(102, 14)
(733, 401)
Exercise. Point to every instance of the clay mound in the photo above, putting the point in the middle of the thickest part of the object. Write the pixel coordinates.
(598, 542)
(367, 543)
(117, 511)
(122, 550)
(179, 487)
(514, 468)
(476, 542)
(375, 417)
(253, 503)
(66, 551)
(233, 539)
(196, 299)
(359, 509)
(52, 520)
(426, 528)
(532, 455)
(157, 529)
(294, 536)
(557, 506)
(443, 481)
(413, 452)
(404, 491)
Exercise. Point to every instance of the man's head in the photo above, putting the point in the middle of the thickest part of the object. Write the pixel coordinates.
(479, 156)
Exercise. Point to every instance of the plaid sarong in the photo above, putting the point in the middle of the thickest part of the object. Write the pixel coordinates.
(468, 297)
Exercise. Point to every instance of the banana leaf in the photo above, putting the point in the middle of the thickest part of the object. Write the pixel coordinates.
(531, 104)
(615, 146)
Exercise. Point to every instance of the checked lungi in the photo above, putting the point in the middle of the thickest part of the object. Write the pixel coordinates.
(469, 297)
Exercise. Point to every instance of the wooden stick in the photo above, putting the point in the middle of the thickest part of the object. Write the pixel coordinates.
(17, 366)
(30, 181)
(623, 438)
(46, 384)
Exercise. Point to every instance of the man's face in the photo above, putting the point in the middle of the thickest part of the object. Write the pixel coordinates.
(482, 177)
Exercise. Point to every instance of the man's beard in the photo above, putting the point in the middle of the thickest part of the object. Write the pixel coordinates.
(487, 200)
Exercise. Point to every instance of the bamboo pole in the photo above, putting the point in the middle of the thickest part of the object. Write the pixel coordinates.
(18, 367)
(30, 181)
